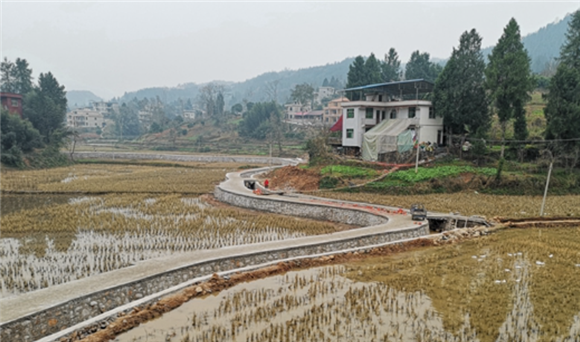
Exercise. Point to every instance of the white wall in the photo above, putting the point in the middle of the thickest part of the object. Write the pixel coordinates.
(356, 124)
(429, 127)
(428, 130)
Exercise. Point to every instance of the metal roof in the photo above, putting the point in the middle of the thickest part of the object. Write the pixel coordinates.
(399, 87)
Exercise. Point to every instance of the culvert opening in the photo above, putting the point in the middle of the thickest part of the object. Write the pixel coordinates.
(250, 184)
(437, 225)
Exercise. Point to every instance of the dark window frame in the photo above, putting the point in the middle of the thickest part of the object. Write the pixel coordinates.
(350, 113)
(371, 112)
(431, 113)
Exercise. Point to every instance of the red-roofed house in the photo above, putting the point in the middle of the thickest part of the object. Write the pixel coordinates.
(12, 102)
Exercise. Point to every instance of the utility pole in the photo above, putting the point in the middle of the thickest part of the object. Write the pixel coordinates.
(546, 190)
(417, 157)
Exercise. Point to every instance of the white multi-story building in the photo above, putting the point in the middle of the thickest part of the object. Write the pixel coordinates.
(105, 107)
(85, 118)
(324, 93)
(403, 103)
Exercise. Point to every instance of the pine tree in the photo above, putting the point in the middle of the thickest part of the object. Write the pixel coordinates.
(45, 106)
(356, 73)
(459, 93)
(7, 76)
(509, 79)
(372, 71)
(563, 108)
(22, 77)
(420, 67)
(391, 67)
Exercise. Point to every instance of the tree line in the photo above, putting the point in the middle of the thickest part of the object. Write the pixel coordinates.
(372, 70)
(44, 111)
(468, 91)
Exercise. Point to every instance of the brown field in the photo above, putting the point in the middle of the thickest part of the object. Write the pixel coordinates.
(471, 203)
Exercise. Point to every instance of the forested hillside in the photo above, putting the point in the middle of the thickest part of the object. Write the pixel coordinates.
(261, 88)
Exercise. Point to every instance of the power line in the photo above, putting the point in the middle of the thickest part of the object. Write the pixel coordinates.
(523, 141)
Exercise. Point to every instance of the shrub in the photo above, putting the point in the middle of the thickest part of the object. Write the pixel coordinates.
(348, 171)
(328, 182)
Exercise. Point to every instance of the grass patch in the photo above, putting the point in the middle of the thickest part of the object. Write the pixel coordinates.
(348, 171)
(424, 174)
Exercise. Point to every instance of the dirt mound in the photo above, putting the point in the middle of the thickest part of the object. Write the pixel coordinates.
(294, 178)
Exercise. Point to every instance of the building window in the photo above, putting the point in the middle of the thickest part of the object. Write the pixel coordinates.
(412, 112)
(349, 133)
(369, 113)
(380, 98)
(350, 113)
(14, 102)
(431, 113)
(394, 114)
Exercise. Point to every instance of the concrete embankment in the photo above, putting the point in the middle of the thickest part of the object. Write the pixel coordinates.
(185, 157)
(59, 311)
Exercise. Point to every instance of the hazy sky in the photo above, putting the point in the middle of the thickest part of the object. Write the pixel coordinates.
(113, 47)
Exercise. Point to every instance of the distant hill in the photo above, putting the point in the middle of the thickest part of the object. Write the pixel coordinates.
(80, 98)
(254, 89)
(544, 45)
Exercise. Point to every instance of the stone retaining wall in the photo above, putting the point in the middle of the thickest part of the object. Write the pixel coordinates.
(185, 158)
(310, 210)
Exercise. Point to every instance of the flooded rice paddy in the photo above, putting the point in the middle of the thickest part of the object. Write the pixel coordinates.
(58, 243)
(49, 239)
(515, 285)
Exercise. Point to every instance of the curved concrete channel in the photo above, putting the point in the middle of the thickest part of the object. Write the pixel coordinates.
(58, 311)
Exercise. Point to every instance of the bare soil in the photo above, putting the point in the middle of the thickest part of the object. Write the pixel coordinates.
(293, 178)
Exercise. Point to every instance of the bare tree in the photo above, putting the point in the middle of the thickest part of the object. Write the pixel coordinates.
(208, 96)
(272, 90)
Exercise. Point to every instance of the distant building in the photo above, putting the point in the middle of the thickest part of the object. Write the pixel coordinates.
(324, 93)
(105, 107)
(333, 110)
(85, 118)
(12, 102)
(295, 109)
(313, 116)
(189, 114)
